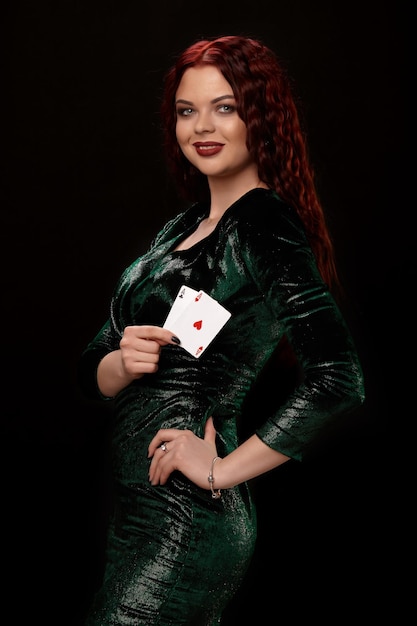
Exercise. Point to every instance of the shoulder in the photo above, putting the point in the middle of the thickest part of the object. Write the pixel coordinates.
(262, 214)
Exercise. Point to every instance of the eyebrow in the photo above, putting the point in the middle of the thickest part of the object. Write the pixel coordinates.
(225, 97)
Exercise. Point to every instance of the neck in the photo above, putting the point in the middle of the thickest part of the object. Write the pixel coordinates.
(223, 195)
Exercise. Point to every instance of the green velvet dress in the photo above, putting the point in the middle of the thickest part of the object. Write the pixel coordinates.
(175, 556)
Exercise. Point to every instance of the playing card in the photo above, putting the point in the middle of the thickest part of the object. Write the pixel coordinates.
(199, 322)
(184, 296)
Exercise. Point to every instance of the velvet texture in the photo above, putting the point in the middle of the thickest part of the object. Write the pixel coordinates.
(175, 555)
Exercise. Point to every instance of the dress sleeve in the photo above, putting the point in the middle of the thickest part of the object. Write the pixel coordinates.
(108, 338)
(332, 381)
(104, 342)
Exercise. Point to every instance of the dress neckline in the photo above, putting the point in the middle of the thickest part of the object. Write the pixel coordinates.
(203, 215)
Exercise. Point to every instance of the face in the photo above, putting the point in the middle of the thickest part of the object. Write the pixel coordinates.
(209, 130)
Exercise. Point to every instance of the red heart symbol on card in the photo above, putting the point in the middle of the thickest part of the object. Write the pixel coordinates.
(198, 324)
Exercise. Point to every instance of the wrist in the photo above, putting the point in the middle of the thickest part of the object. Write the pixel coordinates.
(215, 493)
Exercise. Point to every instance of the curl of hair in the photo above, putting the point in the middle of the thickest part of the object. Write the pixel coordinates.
(275, 138)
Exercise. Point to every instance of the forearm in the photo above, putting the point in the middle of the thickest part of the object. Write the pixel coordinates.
(111, 376)
(252, 458)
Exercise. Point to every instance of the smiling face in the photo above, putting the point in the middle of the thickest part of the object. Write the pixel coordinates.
(209, 130)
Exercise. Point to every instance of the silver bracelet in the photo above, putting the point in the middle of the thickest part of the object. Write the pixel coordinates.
(215, 493)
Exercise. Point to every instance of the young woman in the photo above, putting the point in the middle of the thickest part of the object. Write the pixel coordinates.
(254, 239)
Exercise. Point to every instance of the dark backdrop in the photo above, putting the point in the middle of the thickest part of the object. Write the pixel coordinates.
(86, 190)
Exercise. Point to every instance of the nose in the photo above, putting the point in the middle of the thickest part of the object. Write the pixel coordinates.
(204, 123)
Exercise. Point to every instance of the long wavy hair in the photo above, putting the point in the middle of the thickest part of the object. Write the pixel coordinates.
(275, 138)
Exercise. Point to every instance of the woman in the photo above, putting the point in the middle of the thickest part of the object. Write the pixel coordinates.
(254, 239)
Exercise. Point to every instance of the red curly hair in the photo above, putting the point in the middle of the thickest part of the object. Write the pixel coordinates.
(275, 138)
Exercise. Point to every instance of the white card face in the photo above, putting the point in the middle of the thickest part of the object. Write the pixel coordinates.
(183, 298)
(199, 322)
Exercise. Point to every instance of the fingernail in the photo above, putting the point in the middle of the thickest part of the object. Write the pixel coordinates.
(176, 340)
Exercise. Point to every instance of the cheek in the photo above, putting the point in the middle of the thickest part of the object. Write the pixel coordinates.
(242, 133)
(182, 140)
(183, 130)
(237, 132)
(179, 131)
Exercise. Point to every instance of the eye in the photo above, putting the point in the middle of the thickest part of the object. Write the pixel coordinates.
(184, 112)
(226, 108)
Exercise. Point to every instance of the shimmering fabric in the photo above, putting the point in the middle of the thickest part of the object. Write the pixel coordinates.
(175, 555)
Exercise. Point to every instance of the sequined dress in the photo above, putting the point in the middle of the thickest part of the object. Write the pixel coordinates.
(175, 556)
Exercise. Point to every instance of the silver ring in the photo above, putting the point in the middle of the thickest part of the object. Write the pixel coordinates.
(164, 447)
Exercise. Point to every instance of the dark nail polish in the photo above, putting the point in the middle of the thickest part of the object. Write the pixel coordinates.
(176, 340)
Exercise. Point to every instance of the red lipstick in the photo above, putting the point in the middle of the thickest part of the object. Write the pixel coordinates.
(207, 148)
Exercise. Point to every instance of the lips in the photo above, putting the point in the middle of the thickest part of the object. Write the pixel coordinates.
(207, 149)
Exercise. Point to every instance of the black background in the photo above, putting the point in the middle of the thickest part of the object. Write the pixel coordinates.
(86, 190)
